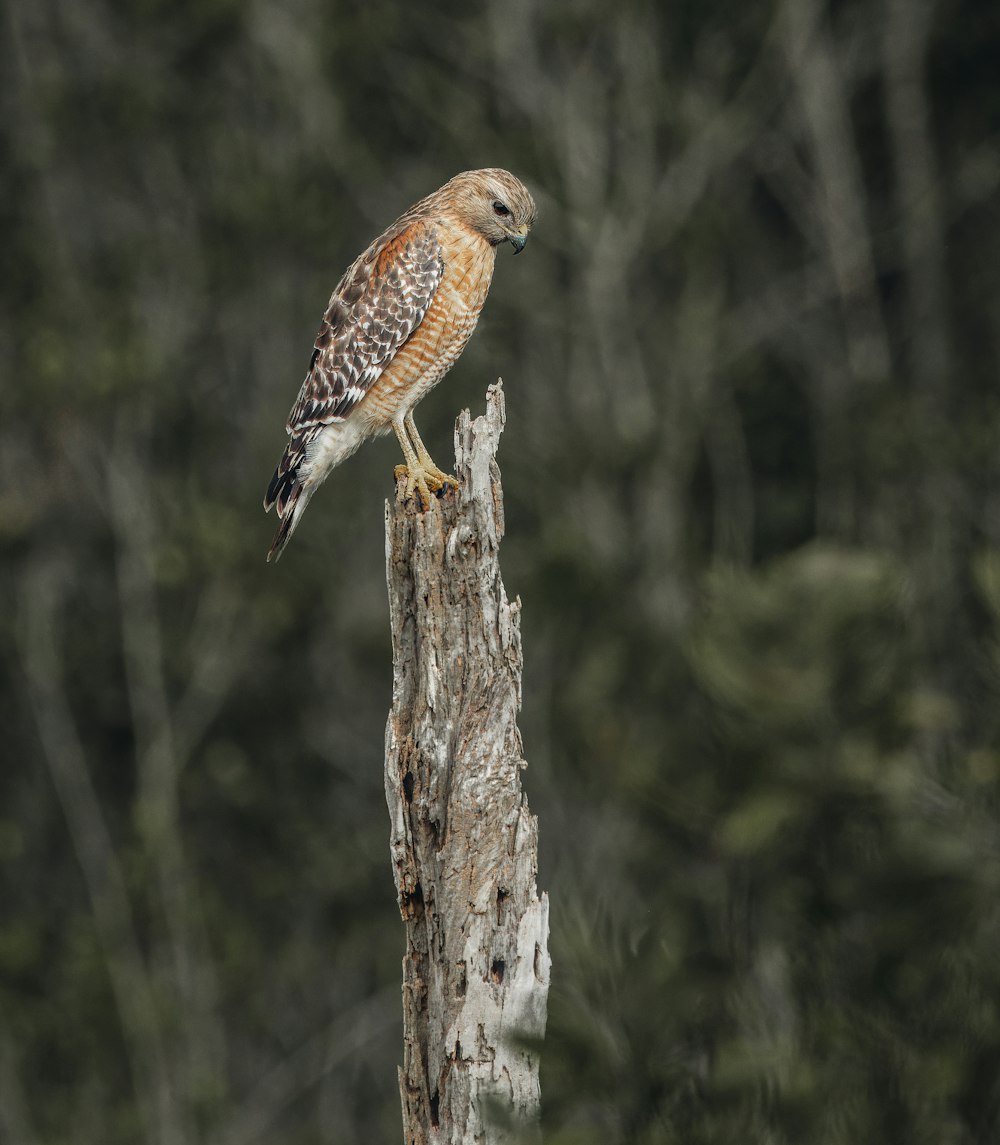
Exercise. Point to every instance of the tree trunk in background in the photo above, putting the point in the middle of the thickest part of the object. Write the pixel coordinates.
(464, 845)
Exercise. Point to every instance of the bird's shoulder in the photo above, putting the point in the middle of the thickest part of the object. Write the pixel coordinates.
(409, 246)
(377, 305)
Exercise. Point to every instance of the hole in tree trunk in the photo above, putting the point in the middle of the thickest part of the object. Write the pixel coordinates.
(497, 969)
(413, 903)
(435, 1109)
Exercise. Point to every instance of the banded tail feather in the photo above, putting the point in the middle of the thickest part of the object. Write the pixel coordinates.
(304, 466)
(289, 494)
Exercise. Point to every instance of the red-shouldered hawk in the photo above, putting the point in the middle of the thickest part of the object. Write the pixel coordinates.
(396, 323)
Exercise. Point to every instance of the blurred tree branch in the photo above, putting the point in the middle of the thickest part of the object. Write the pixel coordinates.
(15, 1119)
(158, 767)
(255, 1114)
(44, 589)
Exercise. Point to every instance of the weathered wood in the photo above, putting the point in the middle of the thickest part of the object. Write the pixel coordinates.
(463, 844)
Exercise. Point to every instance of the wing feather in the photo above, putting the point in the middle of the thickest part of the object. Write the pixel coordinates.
(375, 308)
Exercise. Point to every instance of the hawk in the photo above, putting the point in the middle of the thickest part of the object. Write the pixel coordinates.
(396, 323)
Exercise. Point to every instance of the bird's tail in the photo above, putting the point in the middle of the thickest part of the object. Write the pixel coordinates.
(290, 496)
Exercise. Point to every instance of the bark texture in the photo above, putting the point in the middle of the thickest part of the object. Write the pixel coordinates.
(464, 845)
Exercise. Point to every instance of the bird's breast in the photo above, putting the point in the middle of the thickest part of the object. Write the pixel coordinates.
(435, 345)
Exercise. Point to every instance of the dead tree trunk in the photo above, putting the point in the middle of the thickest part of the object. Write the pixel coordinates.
(464, 845)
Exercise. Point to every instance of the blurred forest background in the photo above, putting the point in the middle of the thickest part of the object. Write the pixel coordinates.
(753, 502)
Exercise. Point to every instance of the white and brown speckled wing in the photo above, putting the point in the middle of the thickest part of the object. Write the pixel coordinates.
(375, 309)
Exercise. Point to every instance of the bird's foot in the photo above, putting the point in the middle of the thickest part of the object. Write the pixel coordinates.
(422, 481)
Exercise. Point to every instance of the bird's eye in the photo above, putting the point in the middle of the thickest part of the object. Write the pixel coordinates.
(500, 209)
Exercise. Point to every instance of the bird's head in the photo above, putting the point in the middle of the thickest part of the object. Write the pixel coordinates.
(496, 204)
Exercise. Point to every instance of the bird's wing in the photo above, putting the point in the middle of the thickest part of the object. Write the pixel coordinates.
(376, 307)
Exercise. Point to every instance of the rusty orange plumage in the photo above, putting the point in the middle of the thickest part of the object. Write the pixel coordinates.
(396, 323)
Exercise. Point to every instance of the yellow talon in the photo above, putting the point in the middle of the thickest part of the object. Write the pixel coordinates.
(422, 476)
(422, 480)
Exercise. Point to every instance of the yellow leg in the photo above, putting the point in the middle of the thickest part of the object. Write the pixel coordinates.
(436, 478)
(422, 476)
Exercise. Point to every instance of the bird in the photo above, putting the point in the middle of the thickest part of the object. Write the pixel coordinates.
(396, 323)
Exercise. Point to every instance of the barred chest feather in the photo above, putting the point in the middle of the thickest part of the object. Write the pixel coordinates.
(439, 339)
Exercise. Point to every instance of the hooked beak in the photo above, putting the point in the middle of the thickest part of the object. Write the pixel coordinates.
(518, 239)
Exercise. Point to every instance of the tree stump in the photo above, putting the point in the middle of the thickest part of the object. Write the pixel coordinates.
(463, 842)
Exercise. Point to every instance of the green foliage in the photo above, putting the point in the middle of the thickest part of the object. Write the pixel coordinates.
(751, 473)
